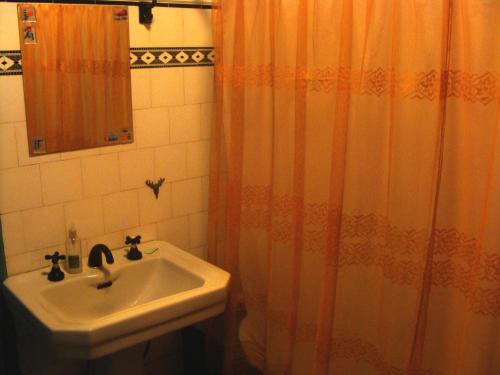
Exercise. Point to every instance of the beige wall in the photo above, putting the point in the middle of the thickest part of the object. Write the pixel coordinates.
(102, 190)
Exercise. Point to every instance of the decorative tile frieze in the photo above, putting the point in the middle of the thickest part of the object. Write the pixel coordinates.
(140, 58)
(10, 62)
(159, 57)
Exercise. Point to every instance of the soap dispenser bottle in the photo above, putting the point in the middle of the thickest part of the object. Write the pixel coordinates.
(73, 252)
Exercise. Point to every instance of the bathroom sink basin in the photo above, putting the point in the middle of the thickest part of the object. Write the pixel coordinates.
(133, 285)
(162, 292)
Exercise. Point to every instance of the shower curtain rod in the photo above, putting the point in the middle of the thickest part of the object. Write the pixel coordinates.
(111, 2)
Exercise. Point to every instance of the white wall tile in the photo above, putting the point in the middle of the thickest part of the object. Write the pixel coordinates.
(185, 123)
(207, 119)
(103, 170)
(22, 148)
(136, 167)
(151, 127)
(198, 154)
(198, 84)
(175, 231)
(87, 217)
(20, 189)
(113, 240)
(44, 227)
(9, 34)
(138, 33)
(198, 28)
(100, 174)
(80, 153)
(140, 81)
(121, 211)
(28, 261)
(152, 210)
(205, 181)
(118, 148)
(170, 162)
(11, 99)
(187, 197)
(167, 27)
(8, 149)
(61, 181)
(13, 233)
(167, 87)
(198, 227)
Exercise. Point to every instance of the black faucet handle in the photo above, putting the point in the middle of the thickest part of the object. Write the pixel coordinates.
(55, 273)
(55, 258)
(134, 253)
(133, 241)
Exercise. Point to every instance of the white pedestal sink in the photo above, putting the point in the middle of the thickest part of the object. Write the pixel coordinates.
(162, 292)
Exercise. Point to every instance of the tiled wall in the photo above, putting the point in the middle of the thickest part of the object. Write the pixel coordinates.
(102, 190)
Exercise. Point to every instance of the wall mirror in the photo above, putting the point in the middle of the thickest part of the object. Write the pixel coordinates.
(76, 75)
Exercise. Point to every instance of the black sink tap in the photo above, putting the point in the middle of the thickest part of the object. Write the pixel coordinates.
(55, 273)
(95, 261)
(95, 256)
(134, 253)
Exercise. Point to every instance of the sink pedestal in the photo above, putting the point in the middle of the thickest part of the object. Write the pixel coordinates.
(163, 292)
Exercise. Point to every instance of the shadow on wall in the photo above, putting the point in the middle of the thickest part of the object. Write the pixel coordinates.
(8, 353)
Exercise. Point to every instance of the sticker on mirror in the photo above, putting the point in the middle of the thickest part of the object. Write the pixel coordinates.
(39, 145)
(111, 137)
(29, 34)
(28, 14)
(120, 14)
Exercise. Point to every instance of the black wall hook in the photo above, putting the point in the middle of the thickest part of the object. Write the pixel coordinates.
(155, 186)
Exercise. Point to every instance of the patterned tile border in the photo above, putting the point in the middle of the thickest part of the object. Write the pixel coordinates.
(10, 63)
(159, 57)
(140, 58)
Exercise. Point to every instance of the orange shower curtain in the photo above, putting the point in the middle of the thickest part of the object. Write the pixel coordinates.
(355, 185)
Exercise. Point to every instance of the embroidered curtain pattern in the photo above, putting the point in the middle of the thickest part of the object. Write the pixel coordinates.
(355, 185)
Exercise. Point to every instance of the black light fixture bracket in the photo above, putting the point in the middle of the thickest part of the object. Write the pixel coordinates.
(131, 3)
(146, 12)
